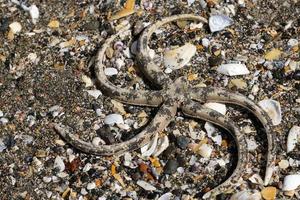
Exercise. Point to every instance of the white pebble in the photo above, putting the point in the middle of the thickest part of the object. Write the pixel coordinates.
(94, 93)
(91, 186)
(112, 119)
(59, 164)
(273, 109)
(293, 42)
(233, 69)
(283, 164)
(83, 191)
(168, 70)
(1, 113)
(4, 120)
(87, 167)
(2, 145)
(110, 71)
(293, 137)
(219, 22)
(205, 42)
(166, 196)
(96, 141)
(251, 145)
(221, 108)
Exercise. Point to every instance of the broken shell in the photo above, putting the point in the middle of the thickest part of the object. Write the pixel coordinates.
(273, 109)
(243, 195)
(94, 93)
(59, 164)
(110, 71)
(15, 27)
(34, 13)
(145, 185)
(166, 196)
(149, 149)
(113, 119)
(219, 22)
(291, 182)
(205, 150)
(233, 69)
(177, 58)
(283, 164)
(211, 133)
(221, 108)
(163, 144)
(292, 139)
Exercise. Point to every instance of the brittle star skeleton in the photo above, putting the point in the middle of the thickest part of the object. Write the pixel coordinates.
(173, 95)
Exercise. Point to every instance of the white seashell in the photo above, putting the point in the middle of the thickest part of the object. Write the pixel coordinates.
(87, 80)
(149, 149)
(211, 133)
(256, 179)
(291, 182)
(34, 13)
(190, 2)
(221, 108)
(112, 119)
(233, 69)
(94, 93)
(145, 185)
(15, 27)
(293, 42)
(293, 137)
(59, 164)
(205, 42)
(168, 70)
(166, 196)
(2, 145)
(87, 167)
(96, 141)
(273, 109)
(163, 144)
(119, 63)
(1, 113)
(243, 195)
(177, 58)
(219, 22)
(205, 150)
(127, 159)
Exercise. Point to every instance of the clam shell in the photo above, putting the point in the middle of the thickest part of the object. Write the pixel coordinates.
(292, 139)
(273, 109)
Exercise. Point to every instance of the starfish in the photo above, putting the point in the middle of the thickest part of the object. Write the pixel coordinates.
(173, 95)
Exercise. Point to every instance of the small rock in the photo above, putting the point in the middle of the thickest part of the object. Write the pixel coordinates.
(2, 145)
(94, 93)
(15, 27)
(53, 24)
(91, 186)
(205, 150)
(233, 69)
(274, 54)
(168, 70)
(283, 164)
(113, 119)
(109, 52)
(291, 182)
(4, 120)
(273, 109)
(205, 42)
(251, 145)
(292, 42)
(1, 113)
(215, 60)
(269, 193)
(296, 75)
(145, 185)
(87, 167)
(87, 80)
(47, 179)
(219, 22)
(179, 57)
(293, 137)
(239, 83)
(171, 167)
(59, 164)
(110, 71)
(166, 196)
(182, 142)
(96, 141)
(221, 108)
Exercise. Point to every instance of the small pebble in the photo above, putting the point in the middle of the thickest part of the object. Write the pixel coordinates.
(182, 142)
(205, 150)
(145, 185)
(269, 193)
(296, 75)
(94, 93)
(171, 167)
(91, 186)
(15, 27)
(283, 164)
(96, 141)
(47, 179)
(219, 22)
(59, 164)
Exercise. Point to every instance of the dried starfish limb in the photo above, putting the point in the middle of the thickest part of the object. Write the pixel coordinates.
(158, 124)
(222, 96)
(196, 110)
(129, 96)
(153, 71)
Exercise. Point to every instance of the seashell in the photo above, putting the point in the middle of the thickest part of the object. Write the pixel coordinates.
(94, 93)
(34, 13)
(163, 144)
(283, 164)
(59, 164)
(145, 185)
(149, 149)
(110, 71)
(113, 119)
(246, 195)
(273, 109)
(291, 182)
(166, 196)
(233, 69)
(178, 57)
(292, 139)
(211, 133)
(205, 150)
(219, 22)
(221, 108)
